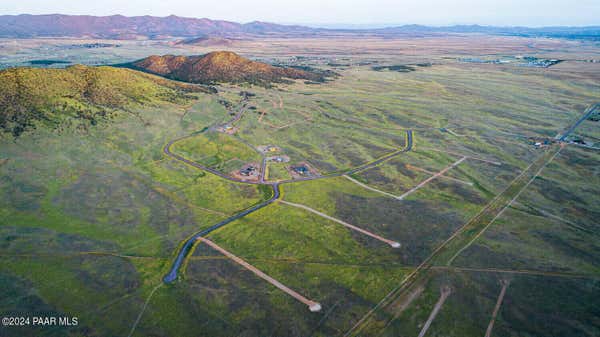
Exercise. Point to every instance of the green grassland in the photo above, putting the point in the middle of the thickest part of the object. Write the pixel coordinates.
(534, 305)
(315, 257)
(120, 188)
(552, 226)
(488, 116)
(277, 171)
(92, 213)
(402, 173)
(57, 98)
(419, 223)
(217, 150)
(588, 130)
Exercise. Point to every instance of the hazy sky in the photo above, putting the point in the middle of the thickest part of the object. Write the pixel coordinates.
(359, 12)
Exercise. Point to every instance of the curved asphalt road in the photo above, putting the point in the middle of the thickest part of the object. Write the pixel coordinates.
(167, 151)
(172, 275)
(187, 246)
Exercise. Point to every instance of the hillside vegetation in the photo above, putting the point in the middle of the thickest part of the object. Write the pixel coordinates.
(221, 66)
(32, 95)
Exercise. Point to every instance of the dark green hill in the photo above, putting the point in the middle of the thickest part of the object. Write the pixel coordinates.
(29, 96)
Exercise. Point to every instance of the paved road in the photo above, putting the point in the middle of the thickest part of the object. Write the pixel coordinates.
(236, 117)
(585, 116)
(185, 249)
(168, 152)
(187, 246)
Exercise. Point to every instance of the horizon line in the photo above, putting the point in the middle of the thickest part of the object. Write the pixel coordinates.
(325, 25)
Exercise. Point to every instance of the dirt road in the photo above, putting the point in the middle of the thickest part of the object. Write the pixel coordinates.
(370, 188)
(424, 182)
(394, 244)
(488, 332)
(510, 202)
(188, 244)
(445, 292)
(312, 305)
(454, 243)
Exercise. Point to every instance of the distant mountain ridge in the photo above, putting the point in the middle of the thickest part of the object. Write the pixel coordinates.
(152, 27)
(587, 32)
(123, 27)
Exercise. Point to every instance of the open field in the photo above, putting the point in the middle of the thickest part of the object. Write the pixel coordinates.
(552, 227)
(91, 218)
(533, 304)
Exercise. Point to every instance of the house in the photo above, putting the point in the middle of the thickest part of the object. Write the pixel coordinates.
(248, 171)
(301, 170)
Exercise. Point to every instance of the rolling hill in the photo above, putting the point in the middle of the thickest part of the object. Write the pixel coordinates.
(221, 66)
(29, 96)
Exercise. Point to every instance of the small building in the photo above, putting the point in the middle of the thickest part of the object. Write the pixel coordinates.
(248, 171)
(279, 159)
(539, 142)
(301, 170)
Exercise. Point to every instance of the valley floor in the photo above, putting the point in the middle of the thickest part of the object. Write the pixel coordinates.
(402, 203)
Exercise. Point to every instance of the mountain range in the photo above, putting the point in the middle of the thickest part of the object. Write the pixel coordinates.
(122, 27)
(151, 27)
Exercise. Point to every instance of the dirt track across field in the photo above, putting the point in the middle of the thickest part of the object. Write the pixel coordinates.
(507, 205)
(493, 162)
(445, 292)
(424, 182)
(312, 305)
(369, 187)
(488, 332)
(394, 244)
(461, 238)
(412, 167)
